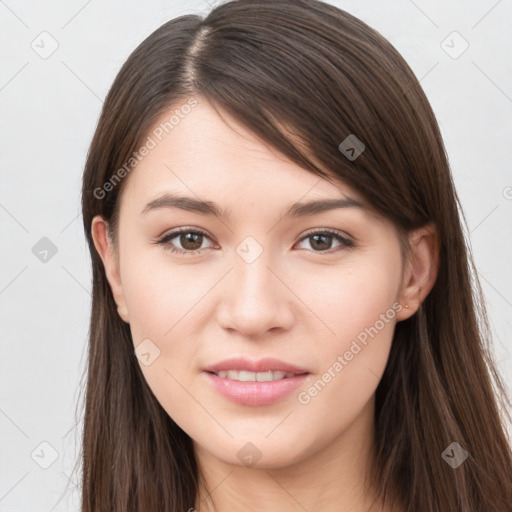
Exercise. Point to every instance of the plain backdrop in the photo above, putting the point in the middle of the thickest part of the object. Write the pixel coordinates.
(58, 60)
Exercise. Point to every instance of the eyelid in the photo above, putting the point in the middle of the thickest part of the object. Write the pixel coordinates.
(330, 231)
(309, 232)
(182, 229)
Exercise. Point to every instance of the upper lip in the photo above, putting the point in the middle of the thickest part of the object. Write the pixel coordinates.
(261, 365)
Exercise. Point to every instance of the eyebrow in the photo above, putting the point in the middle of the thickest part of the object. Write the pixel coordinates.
(169, 200)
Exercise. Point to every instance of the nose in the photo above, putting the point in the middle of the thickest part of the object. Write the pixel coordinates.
(256, 297)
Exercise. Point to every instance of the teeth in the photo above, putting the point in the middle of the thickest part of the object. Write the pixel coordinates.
(245, 376)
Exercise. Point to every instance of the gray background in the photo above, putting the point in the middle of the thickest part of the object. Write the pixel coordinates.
(50, 107)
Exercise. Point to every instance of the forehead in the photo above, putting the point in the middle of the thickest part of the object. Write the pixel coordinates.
(204, 155)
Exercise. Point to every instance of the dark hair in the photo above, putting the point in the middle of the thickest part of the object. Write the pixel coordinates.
(302, 76)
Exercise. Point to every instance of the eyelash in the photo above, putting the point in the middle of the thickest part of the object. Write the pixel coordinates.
(164, 241)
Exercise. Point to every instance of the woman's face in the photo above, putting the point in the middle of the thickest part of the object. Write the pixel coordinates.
(261, 280)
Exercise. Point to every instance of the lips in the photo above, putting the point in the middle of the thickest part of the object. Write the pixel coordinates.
(267, 364)
(255, 383)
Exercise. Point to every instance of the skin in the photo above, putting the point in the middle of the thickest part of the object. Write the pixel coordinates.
(295, 302)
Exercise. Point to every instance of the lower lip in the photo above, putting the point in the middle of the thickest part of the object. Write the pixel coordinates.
(255, 393)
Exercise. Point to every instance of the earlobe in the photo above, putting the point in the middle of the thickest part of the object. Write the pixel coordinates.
(422, 269)
(109, 257)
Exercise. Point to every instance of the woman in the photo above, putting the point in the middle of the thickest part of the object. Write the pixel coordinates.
(282, 314)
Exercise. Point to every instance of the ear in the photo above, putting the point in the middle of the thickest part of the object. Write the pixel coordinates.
(110, 258)
(421, 270)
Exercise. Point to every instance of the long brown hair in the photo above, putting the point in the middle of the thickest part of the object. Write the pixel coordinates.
(302, 75)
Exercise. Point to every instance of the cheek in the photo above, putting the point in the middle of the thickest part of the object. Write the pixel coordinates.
(351, 299)
(161, 302)
(357, 309)
(159, 296)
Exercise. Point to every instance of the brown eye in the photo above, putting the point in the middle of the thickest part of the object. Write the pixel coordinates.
(321, 241)
(190, 240)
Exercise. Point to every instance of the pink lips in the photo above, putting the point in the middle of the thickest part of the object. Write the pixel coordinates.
(262, 365)
(255, 393)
